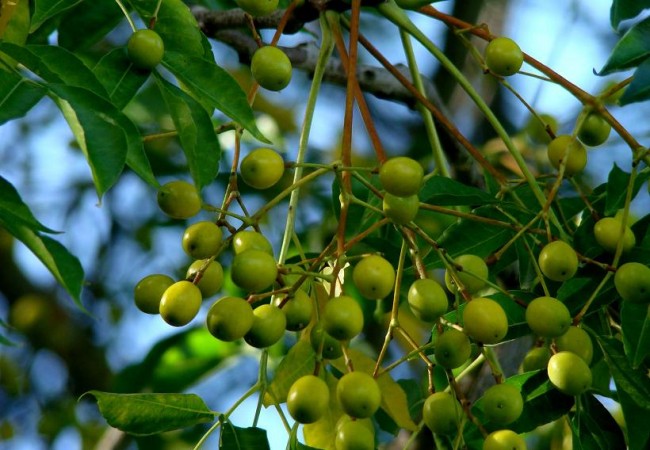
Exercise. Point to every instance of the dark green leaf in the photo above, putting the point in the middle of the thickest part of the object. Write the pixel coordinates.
(121, 81)
(595, 427)
(88, 22)
(626, 9)
(211, 83)
(144, 414)
(443, 191)
(631, 49)
(635, 324)
(617, 189)
(572, 292)
(44, 9)
(236, 438)
(515, 312)
(98, 127)
(14, 210)
(196, 133)
(636, 422)
(639, 88)
(17, 96)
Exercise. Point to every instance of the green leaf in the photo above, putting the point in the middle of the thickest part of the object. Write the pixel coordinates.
(595, 427)
(209, 82)
(145, 414)
(443, 191)
(617, 189)
(88, 22)
(626, 9)
(195, 131)
(59, 261)
(299, 361)
(321, 434)
(14, 26)
(17, 96)
(121, 81)
(45, 9)
(636, 422)
(236, 438)
(98, 128)
(632, 49)
(639, 88)
(14, 210)
(572, 293)
(635, 324)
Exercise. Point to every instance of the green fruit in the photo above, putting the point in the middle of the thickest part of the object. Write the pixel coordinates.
(537, 130)
(594, 130)
(632, 282)
(179, 199)
(485, 321)
(268, 326)
(558, 261)
(401, 210)
(427, 299)
(536, 359)
(271, 68)
(607, 232)
(374, 277)
(576, 340)
(211, 281)
(308, 399)
(548, 317)
(230, 318)
(354, 435)
(473, 274)
(258, 8)
(502, 403)
(202, 240)
(401, 176)
(565, 146)
(441, 413)
(262, 168)
(569, 373)
(452, 349)
(503, 56)
(180, 303)
(358, 394)
(145, 49)
(366, 423)
(324, 344)
(149, 291)
(250, 240)
(298, 310)
(342, 318)
(253, 270)
(504, 440)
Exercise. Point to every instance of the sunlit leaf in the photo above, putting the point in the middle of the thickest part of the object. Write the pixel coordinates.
(45, 9)
(17, 96)
(14, 21)
(236, 438)
(299, 361)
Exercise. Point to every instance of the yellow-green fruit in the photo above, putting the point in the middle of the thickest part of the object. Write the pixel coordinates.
(536, 359)
(230, 318)
(342, 318)
(401, 176)
(452, 349)
(400, 210)
(473, 274)
(366, 422)
(632, 282)
(353, 435)
(569, 148)
(180, 303)
(607, 232)
(537, 130)
(548, 317)
(308, 399)
(502, 403)
(427, 299)
(268, 326)
(504, 440)
(258, 8)
(149, 291)
(569, 373)
(250, 240)
(211, 280)
(358, 394)
(374, 277)
(485, 321)
(503, 56)
(253, 270)
(271, 68)
(558, 261)
(594, 130)
(324, 344)
(262, 168)
(576, 340)
(441, 413)
(202, 240)
(179, 199)
(298, 310)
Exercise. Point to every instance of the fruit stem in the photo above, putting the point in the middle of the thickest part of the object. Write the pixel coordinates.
(493, 361)
(126, 14)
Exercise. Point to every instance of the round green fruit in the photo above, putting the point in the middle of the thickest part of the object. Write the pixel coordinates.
(149, 291)
(565, 146)
(473, 274)
(366, 423)
(262, 168)
(569, 373)
(250, 240)
(271, 68)
(211, 280)
(536, 359)
(401, 210)
(632, 282)
(485, 321)
(354, 435)
(342, 318)
(180, 303)
(298, 310)
(504, 440)
(374, 277)
(358, 394)
(202, 240)
(179, 199)
(145, 49)
(268, 326)
(548, 317)
(607, 232)
(427, 299)
(253, 270)
(230, 318)
(441, 413)
(594, 130)
(537, 130)
(308, 399)
(502, 403)
(401, 176)
(324, 344)
(258, 8)
(576, 340)
(452, 349)
(558, 261)
(503, 56)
